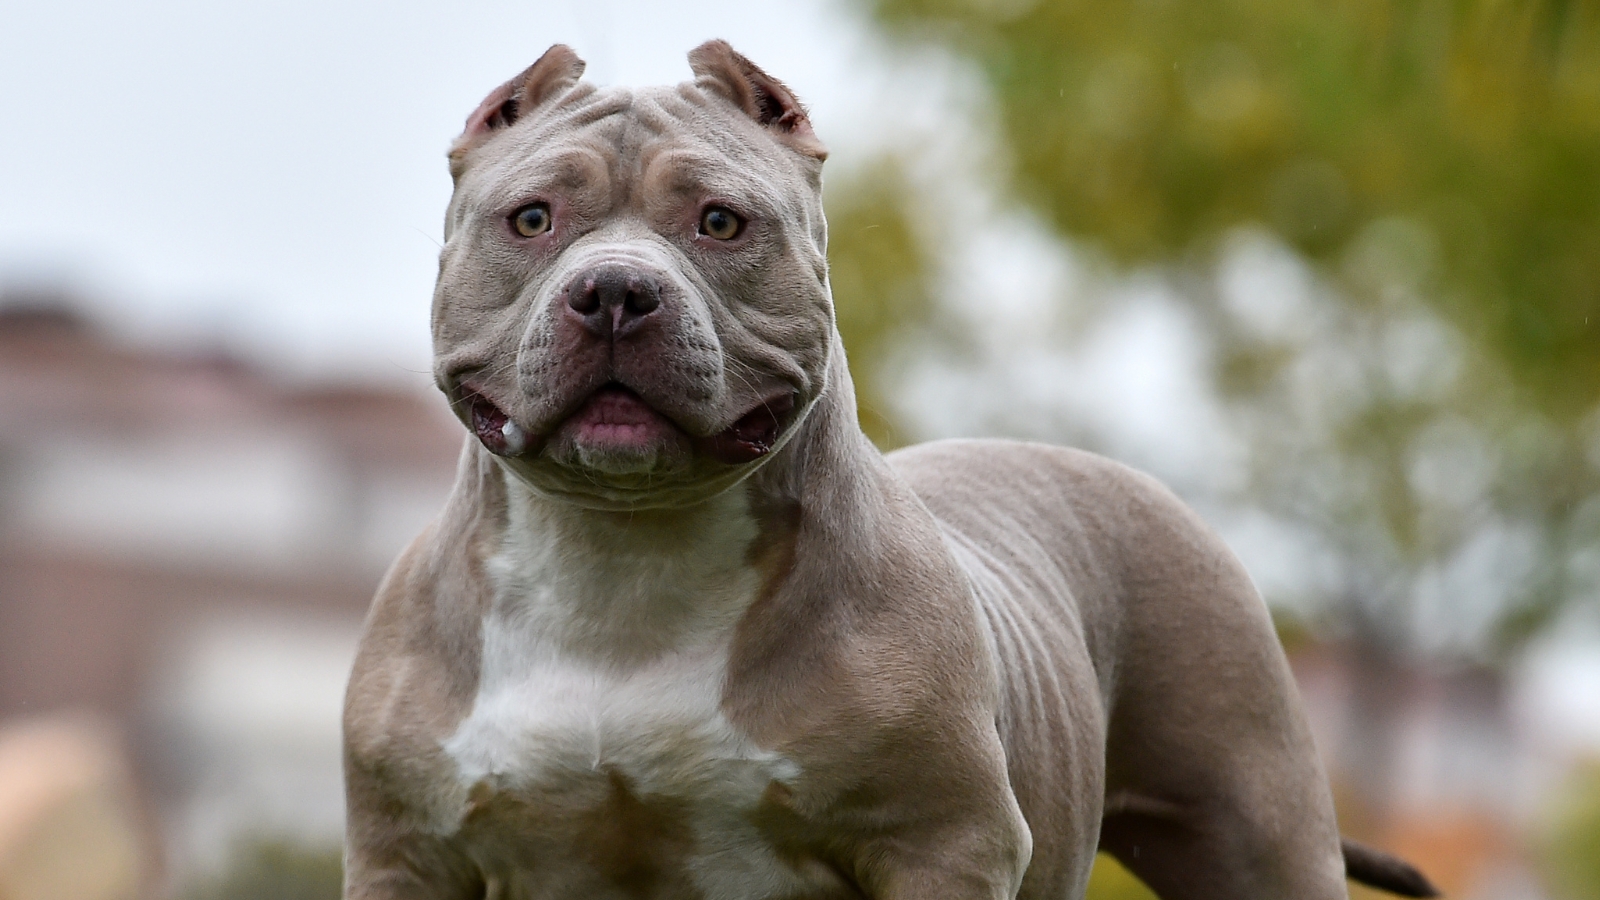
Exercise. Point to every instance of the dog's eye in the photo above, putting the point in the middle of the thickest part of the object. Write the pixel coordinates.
(721, 223)
(531, 220)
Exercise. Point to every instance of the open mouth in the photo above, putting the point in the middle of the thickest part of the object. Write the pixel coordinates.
(494, 428)
(753, 436)
(616, 419)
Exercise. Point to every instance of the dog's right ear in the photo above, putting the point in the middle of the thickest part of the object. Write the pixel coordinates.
(555, 73)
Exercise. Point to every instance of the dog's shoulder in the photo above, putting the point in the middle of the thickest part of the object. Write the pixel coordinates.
(416, 668)
(1046, 505)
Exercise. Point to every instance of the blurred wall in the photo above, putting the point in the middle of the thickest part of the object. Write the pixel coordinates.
(187, 547)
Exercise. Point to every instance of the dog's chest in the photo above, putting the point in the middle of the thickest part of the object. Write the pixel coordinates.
(596, 758)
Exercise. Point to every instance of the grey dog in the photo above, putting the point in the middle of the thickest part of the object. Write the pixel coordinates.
(681, 631)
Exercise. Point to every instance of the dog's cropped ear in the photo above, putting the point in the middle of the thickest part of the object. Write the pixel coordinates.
(555, 73)
(762, 97)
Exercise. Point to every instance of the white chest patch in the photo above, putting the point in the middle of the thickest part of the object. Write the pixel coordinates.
(598, 717)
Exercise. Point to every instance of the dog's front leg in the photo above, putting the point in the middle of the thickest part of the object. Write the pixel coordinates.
(968, 862)
(393, 851)
(945, 822)
(409, 868)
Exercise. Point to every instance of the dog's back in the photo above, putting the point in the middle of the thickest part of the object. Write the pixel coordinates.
(1143, 682)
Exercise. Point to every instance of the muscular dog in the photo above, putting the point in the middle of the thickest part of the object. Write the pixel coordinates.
(681, 631)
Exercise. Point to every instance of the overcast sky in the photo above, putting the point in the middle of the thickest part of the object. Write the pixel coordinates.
(274, 173)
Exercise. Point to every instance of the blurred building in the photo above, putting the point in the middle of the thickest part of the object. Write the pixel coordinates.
(187, 547)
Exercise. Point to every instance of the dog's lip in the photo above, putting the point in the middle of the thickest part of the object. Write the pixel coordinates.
(502, 435)
(752, 435)
(615, 415)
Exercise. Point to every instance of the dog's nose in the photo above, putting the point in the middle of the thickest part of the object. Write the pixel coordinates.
(612, 300)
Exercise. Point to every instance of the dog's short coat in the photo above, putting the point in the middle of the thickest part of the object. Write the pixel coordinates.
(681, 631)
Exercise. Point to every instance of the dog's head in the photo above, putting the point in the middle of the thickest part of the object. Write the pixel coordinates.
(632, 307)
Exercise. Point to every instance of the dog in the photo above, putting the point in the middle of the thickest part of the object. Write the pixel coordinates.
(681, 631)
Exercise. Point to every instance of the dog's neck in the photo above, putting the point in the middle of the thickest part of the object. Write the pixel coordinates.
(822, 466)
(641, 583)
(651, 579)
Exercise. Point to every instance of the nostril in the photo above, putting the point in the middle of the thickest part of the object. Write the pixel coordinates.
(612, 299)
(642, 300)
(584, 298)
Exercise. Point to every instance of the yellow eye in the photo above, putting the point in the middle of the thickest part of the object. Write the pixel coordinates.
(721, 223)
(531, 220)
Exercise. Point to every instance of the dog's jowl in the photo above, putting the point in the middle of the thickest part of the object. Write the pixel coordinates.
(682, 632)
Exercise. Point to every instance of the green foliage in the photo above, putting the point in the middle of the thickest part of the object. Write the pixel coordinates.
(271, 869)
(879, 273)
(1448, 146)
(1436, 166)
(1573, 855)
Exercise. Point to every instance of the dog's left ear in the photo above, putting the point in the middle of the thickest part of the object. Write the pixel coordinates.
(762, 97)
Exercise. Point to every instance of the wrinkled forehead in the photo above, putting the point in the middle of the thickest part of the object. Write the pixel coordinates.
(633, 144)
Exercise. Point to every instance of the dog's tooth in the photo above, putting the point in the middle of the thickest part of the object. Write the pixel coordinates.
(516, 438)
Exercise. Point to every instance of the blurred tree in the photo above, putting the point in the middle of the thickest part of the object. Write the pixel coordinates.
(879, 271)
(1152, 127)
(1574, 851)
(1438, 163)
(1427, 407)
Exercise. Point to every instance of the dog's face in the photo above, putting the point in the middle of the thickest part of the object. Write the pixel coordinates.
(632, 307)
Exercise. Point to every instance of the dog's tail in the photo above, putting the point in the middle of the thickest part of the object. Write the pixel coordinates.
(1375, 868)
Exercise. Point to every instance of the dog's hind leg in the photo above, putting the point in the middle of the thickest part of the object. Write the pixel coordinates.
(1214, 790)
(1214, 853)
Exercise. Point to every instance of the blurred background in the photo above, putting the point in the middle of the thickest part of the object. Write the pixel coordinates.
(1328, 269)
